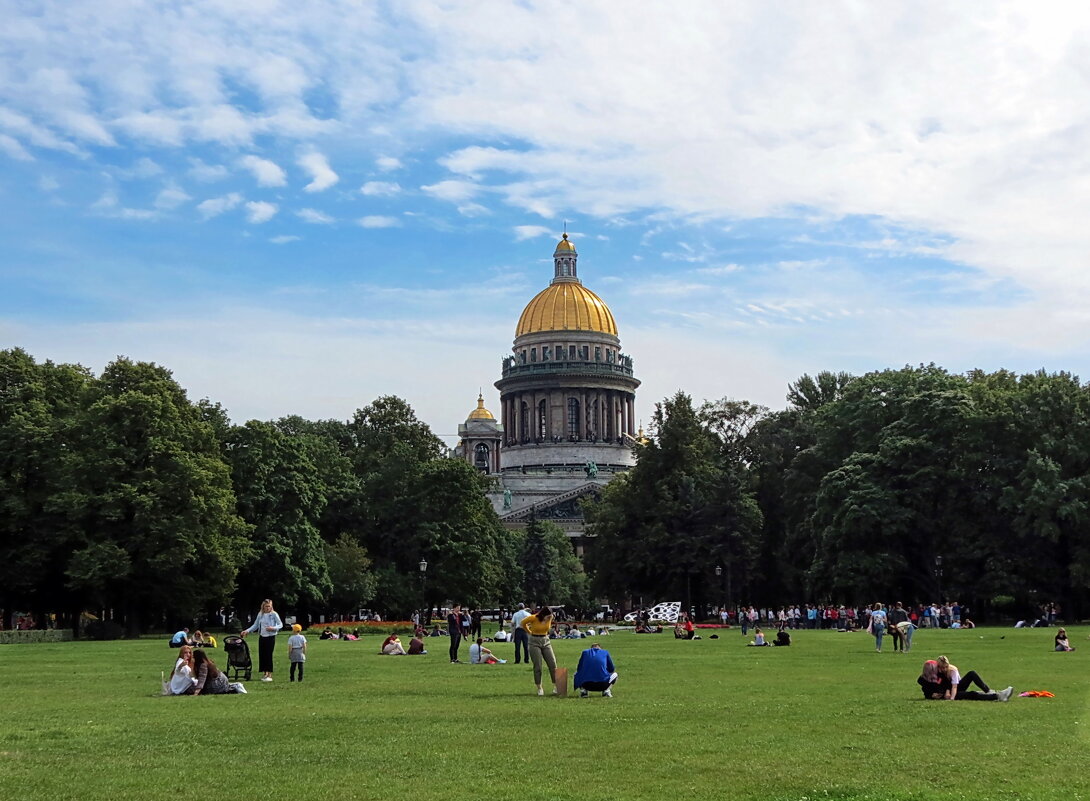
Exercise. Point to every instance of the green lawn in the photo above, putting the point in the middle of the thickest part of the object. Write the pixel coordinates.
(826, 718)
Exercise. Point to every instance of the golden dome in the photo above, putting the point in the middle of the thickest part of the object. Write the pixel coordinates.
(566, 306)
(480, 413)
(564, 246)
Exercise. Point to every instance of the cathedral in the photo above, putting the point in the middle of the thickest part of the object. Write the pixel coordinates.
(567, 406)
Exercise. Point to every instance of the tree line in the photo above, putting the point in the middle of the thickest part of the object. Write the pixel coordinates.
(121, 496)
(913, 484)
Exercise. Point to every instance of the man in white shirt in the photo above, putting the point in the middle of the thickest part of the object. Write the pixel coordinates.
(522, 639)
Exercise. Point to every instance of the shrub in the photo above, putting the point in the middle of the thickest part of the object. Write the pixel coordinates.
(13, 636)
(103, 630)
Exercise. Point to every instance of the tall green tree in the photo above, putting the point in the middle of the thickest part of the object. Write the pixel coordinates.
(146, 478)
(39, 407)
(282, 495)
(662, 528)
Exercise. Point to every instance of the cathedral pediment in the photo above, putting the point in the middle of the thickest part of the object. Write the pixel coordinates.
(563, 507)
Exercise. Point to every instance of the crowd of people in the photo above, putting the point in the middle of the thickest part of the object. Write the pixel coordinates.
(196, 673)
(841, 617)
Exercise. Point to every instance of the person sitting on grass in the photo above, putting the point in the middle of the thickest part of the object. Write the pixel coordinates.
(180, 638)
(758, 640)
(210, 679)
(479, 655)
(392, 646)
(931, 681)
(1062, 643)
(182, 679)
(783, 638)
(956, 685)
(416, 647)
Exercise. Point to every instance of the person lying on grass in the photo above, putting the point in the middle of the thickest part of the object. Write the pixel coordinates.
(954, 686)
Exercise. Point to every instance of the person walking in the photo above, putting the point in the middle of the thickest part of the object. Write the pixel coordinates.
(522, 639)
(878, 625)
(267, 624)
(537, 626)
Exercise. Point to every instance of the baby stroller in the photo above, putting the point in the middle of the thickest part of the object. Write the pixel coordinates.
(239, 665)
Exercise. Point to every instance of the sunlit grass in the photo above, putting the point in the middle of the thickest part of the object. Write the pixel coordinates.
(826, 718)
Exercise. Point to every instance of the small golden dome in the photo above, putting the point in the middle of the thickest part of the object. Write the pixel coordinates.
(566, 306)
(480, 413)
(564, 246)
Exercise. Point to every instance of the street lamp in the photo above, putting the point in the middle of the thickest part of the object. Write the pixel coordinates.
(424, 590)
(719, 581)
(938, 575)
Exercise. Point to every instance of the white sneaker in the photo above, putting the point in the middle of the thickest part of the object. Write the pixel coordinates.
(555, 691)
(584, 694)
(607, 693)
(266, 678)
(1005, 695)
(540, 691)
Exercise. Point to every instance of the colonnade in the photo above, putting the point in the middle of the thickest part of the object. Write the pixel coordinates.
(604, 414)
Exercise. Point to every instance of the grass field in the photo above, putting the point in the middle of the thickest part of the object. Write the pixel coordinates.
(825, 719)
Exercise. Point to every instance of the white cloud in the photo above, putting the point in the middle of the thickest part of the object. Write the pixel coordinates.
(143, 167)
(47, 183)
(170, 197)
(379, 221)
(314, 216)
(213, 207)
(259, 211)
(720, 269)
(530, 231)
(380, 188)
(108, 205)
(208, 173)
(454, 191)
(284, 239)
(316, 166)
(11, 146)
(265, 172)
(388, 163)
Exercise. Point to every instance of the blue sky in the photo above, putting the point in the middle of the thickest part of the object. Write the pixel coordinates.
(301, 206)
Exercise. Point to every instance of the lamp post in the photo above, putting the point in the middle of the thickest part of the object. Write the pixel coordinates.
(938, 575)
(719, 581)
(424, 591)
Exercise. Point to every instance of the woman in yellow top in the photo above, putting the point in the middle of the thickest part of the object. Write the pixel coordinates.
(538, 625)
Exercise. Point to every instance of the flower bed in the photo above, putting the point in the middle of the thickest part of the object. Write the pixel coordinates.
(367, 626)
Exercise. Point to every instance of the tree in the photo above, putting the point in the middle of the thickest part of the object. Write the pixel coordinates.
(660, 529)
(146, 478)
(352, 581)
(282, 495)
(39, 406)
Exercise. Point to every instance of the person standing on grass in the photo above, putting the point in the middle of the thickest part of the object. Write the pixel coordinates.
(267, 624)
(454, 628)
(595, 672)
(297, 651)
(537, 626)
(522, 639)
